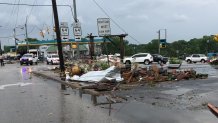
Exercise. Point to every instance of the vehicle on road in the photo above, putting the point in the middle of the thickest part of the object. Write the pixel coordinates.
(28, 59)
(159, 58)
(196, 58)
(52, 59)
(145, 58)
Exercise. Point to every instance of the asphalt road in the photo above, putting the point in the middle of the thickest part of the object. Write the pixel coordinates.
(172, 102)
(30, 99)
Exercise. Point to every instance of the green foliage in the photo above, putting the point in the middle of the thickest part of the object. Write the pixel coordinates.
(31, 39)
(174, 60)
(102, 65)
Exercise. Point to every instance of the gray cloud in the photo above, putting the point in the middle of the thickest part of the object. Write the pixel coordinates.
(180, 18)
(140, 18)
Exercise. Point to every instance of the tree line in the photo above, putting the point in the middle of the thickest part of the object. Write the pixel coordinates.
(180, 48)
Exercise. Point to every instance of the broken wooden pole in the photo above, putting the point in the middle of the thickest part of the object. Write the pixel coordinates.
(213, 109)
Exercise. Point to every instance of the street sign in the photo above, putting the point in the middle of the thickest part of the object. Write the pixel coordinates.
(64, 31)
(77, 31)
(63, 24)
(65, 38)
(162, 40)
(78, 38)
(77, 24)
(103, 26)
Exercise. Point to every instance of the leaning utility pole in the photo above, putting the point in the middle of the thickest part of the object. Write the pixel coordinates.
(158, 41)
(60, 53)
(0, 48)
(15, 43)
(27, 42)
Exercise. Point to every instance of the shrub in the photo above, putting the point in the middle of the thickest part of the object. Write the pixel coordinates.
(175, 61)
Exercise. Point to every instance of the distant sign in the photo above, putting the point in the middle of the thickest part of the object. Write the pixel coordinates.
(63, 24)
(77, 31)
(162, 40)
(78, 38)
(77, 24)
(64, 31)
(103, 26)
(64, 38)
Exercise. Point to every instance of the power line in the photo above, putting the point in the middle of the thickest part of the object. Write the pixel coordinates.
(114, 21)
(23, 4)
(17, 14)
(38, 5)
(31, 9)
(11, 36)
(12, 12)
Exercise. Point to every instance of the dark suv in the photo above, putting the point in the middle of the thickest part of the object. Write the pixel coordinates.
(160, 59)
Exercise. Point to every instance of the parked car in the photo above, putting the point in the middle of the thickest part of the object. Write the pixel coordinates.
(28, 59)
(159, 58)
(53, 59)
(145, 58)
(196, 58)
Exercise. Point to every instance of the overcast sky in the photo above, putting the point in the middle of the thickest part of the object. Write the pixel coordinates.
(141, 19)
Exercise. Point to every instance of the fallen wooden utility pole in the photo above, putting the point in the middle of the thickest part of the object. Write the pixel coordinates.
(213, 109)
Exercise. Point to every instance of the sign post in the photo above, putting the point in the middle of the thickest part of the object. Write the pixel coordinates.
(77, 35)
(64, 31)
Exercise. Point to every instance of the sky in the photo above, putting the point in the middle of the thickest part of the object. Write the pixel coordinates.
(140, 19)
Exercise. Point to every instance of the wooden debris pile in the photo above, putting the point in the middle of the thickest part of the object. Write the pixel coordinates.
(155, 74)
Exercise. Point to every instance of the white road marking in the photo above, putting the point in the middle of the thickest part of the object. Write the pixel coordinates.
(16, 84)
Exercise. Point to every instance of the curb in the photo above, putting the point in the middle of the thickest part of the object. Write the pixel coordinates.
(49, 77)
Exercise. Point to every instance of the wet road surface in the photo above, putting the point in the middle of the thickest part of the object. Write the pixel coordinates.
(172, 102)
(30, 99)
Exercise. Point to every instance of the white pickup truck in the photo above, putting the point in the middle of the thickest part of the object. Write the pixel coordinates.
(53, 59)
(28, 59)
(196, 58)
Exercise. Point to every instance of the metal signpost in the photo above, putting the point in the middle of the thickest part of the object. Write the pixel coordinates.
(64, 31)
(77, 31)
(77, 35)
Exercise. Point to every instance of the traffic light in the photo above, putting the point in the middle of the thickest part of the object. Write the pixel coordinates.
(163, 43)
(215, 37)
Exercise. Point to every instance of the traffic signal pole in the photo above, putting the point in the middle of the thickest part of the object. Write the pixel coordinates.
(158, 41)
(60, 53)
(27, 42)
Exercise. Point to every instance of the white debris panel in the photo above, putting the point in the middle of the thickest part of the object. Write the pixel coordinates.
(110, 74)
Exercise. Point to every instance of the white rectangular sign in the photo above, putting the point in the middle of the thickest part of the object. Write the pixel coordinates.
(78, 38)
(64, 31)
(104, 26)
(77, 31)
(65, 38)
(77, 24)
(63, 24)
